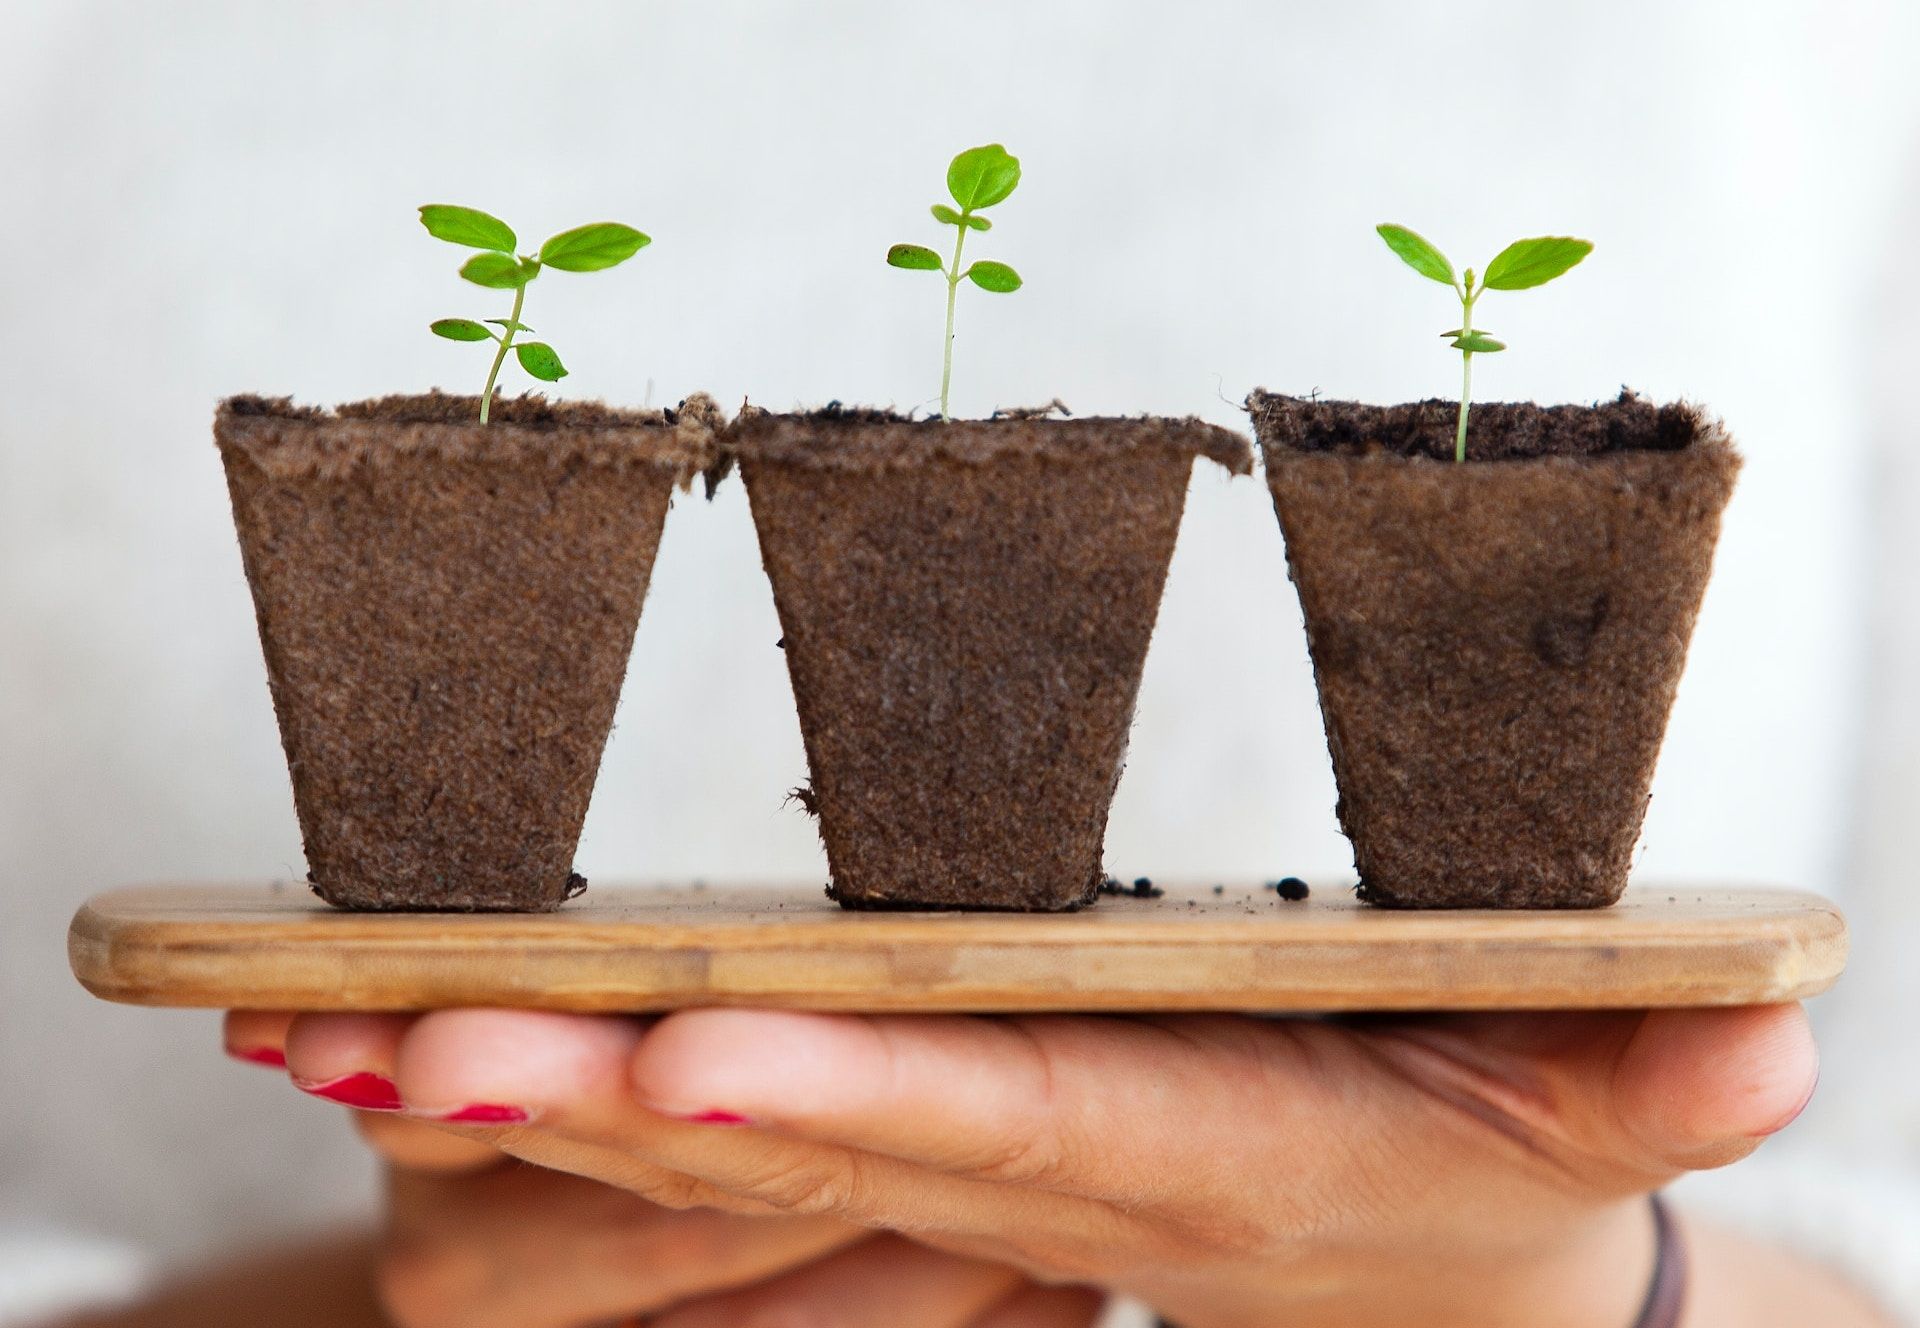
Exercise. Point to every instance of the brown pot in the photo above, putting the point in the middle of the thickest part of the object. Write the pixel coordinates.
(966, 610)
(1497, 643)
(446, 610)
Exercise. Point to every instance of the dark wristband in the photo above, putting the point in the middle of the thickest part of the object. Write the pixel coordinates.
(1667, 1292)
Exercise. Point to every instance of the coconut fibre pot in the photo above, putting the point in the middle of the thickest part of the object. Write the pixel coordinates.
(966, 609)
(446, 610)
(1496, 643)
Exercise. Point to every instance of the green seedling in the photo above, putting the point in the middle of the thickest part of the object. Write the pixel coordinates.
(590, 248)
(1522, 264)
(978, 178)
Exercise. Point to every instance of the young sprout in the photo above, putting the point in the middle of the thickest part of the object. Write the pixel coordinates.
(1521, 264)
(590, 248)
(977, 178)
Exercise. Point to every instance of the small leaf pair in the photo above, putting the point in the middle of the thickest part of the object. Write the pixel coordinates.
(589, 248)
(1520, 266)
(977, 178)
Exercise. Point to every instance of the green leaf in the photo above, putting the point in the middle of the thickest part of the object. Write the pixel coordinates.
(979, 224)
(996, 277)
(915, 256)
(946, 216)
(538, 359)
(980, 177)
(468, 226)
(593, 247)
(510, 324)
(497, 271)
(1534, 262)
(1479, 343)
(460, 329)
(1417, 252)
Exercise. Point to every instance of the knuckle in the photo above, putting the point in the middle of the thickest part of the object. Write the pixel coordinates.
(830, 1186)
(1029, 1158)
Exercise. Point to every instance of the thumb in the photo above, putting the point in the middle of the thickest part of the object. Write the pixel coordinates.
(1703, 1088)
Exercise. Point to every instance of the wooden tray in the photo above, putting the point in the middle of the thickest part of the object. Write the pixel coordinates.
(665, 947)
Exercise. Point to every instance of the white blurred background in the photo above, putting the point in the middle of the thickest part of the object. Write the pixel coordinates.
(203, 198)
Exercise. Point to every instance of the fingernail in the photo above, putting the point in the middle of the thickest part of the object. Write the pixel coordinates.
(709, 1117)
(259, 1056)
(481, 1113)
(366, 1091)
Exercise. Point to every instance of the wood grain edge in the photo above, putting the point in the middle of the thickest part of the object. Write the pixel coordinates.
(147, 963)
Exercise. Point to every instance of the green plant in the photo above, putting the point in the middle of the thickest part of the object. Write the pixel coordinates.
(589, 248)
(977, 178)
(1522, 264)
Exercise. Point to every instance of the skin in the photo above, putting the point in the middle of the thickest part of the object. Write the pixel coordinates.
(1229, 1171)
(474, 1239)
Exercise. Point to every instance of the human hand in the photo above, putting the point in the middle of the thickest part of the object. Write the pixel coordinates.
(1228, 1170)
(475, 1239)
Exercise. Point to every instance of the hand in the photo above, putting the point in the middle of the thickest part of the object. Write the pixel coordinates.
(1230, 1171)
(475, 1240)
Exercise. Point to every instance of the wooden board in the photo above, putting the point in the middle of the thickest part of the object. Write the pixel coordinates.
(661, 948)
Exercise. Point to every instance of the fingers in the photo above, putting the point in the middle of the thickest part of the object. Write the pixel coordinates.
(885, 1282)
(1703, 1088)
(347, 1058)
(570, 1075)
(1124, 1110)
(527, 1248)
(1628, 1099)
(257, 1036)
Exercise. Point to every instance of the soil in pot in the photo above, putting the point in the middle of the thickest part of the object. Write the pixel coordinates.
(966, 609)
(1496, 643)
(446, 611)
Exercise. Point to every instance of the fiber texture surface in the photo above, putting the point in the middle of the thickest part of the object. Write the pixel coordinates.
(966, 610)
(446, 611)
(1496, 644)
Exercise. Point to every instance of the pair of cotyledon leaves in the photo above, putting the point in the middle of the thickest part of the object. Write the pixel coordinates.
(977, 178)
(1522, 264)
(590, 248)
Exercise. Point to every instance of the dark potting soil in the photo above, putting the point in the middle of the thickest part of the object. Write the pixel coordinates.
(1496, 644)
(1142, 888)
(966, 608)
(446, 611)
(1291, 888)
(1496, 431)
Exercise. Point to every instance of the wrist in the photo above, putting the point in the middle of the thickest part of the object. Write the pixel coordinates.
(1595, 1276)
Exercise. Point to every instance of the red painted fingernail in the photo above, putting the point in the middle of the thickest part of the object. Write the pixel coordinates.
(366, 1091)
(259, 1055)
(713, 1118)
(484, 1113)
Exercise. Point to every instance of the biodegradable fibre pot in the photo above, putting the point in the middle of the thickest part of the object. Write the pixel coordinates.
(446, 610)
(1496, 643)
(966, 609)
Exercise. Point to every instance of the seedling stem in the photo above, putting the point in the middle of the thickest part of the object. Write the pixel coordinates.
(1522, 264)
(977, 178)
(500, 356)
(953, 293)
(589, 248)
(1467, 296)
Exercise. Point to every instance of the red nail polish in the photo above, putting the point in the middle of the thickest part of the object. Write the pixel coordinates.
(259, 1056)
(714, 1118)
(485, 1113)
(365, 1091)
